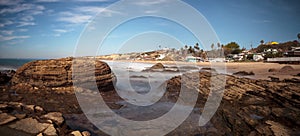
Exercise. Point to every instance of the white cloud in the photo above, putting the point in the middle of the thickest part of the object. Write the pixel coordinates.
(93, 10)
(25, 24)
(8, 38)
(93, 0)
(46, 0)
(5, 23)
(27, 18)
(22, 30)
(149, 2)
(7, 32)
(10, 2)
(74, 18)
(60, 30)
(22, 7)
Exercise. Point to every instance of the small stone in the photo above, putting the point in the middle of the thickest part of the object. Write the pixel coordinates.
(29, 125)
(86, 133)
(20, 116)
(50, 131)
(29, 108)
(40, 134)
(54, 116)
(3, 106)
(5, 118)
(76, 133)
(39, 109)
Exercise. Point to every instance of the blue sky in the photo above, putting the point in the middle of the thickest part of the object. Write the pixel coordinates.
(51, 28)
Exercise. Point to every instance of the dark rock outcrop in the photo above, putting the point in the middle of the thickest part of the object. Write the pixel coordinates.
(286, 69)
(244, 73)
(5, 76)
(158, 67)
(248, 107)
(57, 73)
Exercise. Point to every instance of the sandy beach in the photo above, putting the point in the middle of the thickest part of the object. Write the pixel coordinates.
(260, 69)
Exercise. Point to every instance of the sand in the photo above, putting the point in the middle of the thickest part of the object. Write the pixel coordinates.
(260, 69)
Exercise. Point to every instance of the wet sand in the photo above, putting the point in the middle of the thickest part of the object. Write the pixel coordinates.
(260, 69)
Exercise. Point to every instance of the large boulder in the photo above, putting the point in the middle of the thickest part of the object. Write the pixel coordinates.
(57, 73)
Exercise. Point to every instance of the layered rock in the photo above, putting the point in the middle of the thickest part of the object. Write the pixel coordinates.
(57, 73)
(35, 121)
(248, 107)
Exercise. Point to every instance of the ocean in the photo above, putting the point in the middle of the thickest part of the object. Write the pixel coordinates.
(13, 64)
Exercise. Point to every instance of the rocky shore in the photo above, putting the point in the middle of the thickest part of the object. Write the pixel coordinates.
(249, 107)
(39, 99)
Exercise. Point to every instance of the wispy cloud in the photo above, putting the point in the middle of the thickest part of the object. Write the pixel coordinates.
(93, 10)
(8, 38)
(73, 18)
(150, 2)
(93, 0)
(7, 32)
(5, 23)
(22, 30)
(46, 0)
(262, 21)
(60, 30)
(10, 2)
(27, 18)
(25, 24)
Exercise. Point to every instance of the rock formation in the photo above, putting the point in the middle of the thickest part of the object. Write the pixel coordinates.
(249, 107)
(57, 73)
(31, 119)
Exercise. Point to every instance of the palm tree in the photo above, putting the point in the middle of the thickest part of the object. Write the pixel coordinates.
(298, 36)
(262, 41)
(212, 46)
(197, 46)
(219, 45)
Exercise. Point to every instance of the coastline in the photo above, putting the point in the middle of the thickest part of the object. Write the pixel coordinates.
(260, 69)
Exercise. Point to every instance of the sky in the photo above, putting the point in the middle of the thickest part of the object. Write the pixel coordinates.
(53, 28)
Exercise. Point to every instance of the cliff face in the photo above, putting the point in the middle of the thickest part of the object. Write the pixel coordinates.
(249, 107)
(57, 73)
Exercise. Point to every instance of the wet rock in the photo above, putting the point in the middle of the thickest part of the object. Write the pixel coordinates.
(247, 104)
(157, 66)
(272, 70)
(57, 73)
(5, 118)
(137, 76)
(293, 80)
(54, 116)
(208, 69)
(274, 79)
(29, 125)
(6, 76)
(161, 68)
(286, 69)
(76, 133)
(244, 73)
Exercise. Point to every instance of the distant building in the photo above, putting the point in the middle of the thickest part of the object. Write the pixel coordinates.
(258, 57)
(295, 52)
(193, 59)
(270, 50)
